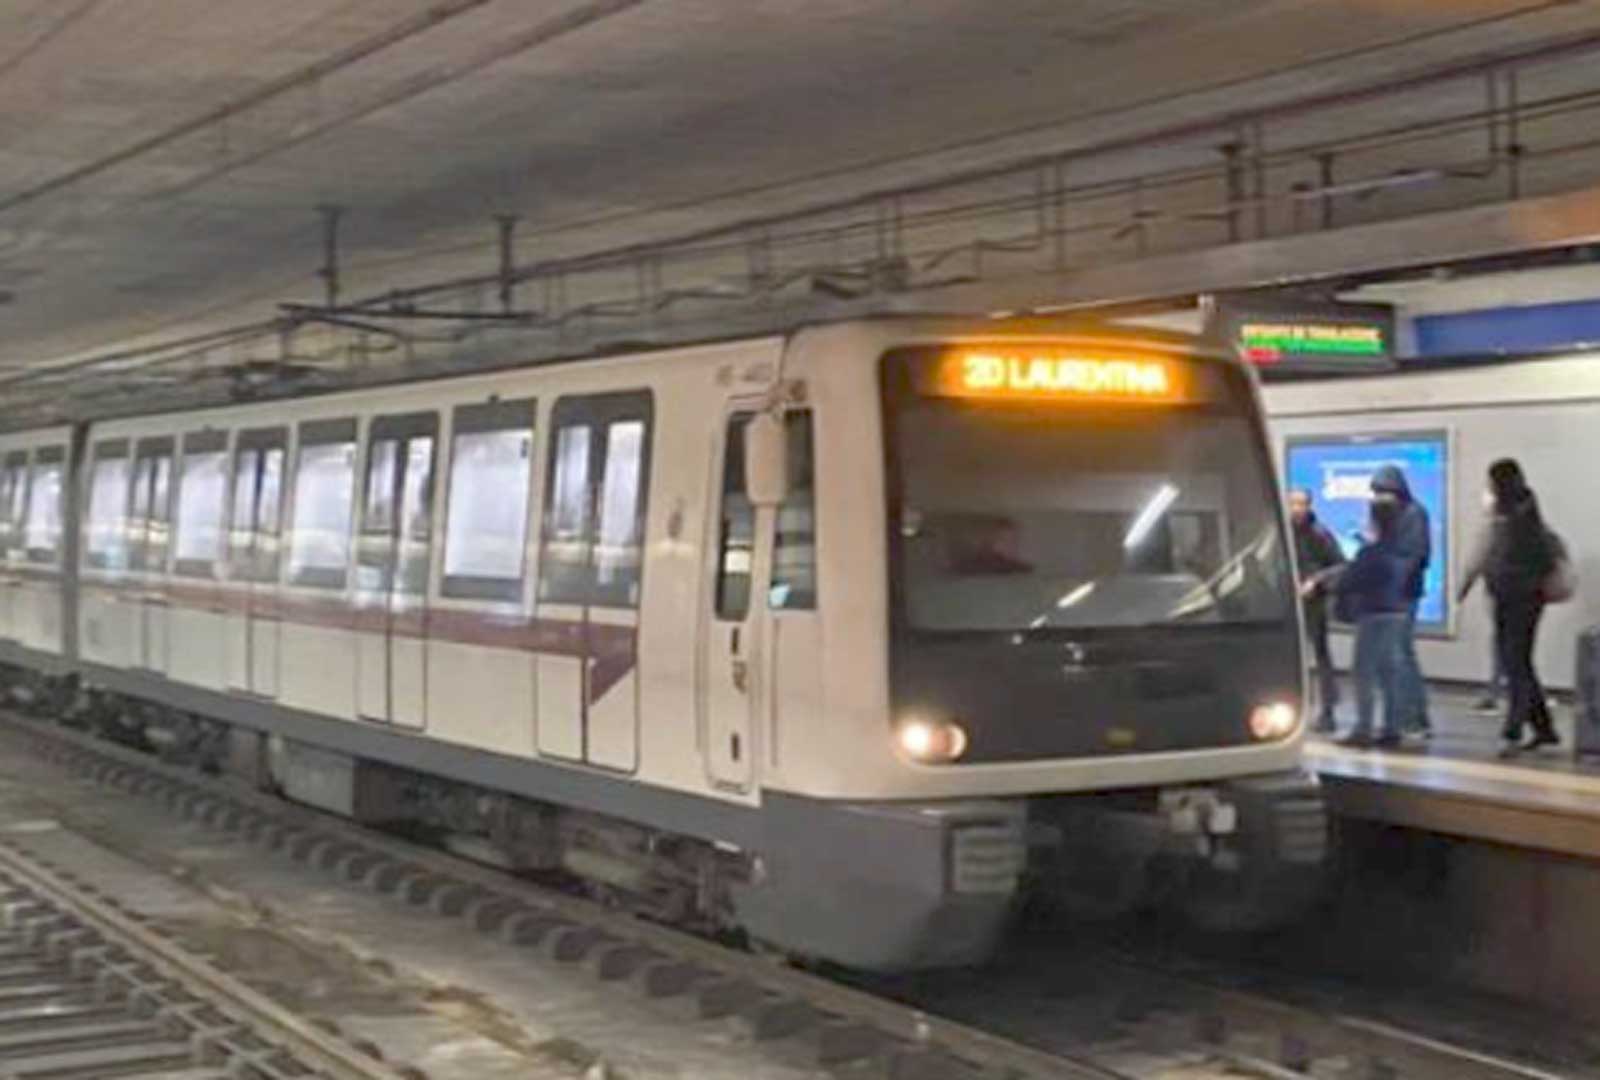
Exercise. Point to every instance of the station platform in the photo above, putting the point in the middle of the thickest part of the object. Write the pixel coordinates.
(1457, 785)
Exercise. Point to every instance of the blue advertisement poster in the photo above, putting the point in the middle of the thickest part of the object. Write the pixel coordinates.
(1337, 470)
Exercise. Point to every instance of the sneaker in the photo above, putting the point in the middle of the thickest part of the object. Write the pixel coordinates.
(1389, 740)
(1542, 739)
(1509, 749)
(1488, 703)
(1325, 725)
(1355, 741)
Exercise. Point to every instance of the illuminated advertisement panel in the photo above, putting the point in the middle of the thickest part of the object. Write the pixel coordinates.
(1338, 470)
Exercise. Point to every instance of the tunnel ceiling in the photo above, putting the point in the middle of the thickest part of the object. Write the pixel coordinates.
(161, 161)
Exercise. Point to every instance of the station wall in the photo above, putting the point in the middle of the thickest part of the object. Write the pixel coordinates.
(1545, 412)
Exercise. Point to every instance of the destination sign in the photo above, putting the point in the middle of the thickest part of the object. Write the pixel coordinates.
(1023, 373)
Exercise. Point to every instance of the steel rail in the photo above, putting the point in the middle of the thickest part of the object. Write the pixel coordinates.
(331, 1056)
(846, 1025)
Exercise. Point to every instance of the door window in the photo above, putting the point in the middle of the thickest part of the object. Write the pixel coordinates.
(107, 546)
(150, 516)
(598, 498)
(415, 526)
(324, 495)
(42, 524)
(256, 508)
(13, 501)
(736, 528)
(565, 564)
(396, 507)
(794, 548)
(486, 520)
(202, 501)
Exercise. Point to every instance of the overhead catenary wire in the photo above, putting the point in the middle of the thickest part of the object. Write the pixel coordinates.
(431, 17)
(708, 252)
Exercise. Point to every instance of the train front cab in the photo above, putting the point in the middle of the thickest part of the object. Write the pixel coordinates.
(1060, 641)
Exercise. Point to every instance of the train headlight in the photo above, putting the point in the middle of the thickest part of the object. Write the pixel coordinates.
(931, 741)
(1275, 721)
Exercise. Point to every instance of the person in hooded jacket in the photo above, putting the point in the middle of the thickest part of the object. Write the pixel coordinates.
(1522, 556)
(1373, 593)
(1319, 560)
(1413, 545)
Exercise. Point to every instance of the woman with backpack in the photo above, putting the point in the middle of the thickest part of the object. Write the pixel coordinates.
(1526, 569)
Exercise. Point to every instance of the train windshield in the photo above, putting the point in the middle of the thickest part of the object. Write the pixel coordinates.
(1081, 511)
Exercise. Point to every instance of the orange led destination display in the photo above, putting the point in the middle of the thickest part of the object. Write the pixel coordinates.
(1022, 374)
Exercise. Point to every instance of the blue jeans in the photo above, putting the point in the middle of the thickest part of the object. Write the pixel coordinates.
(1413, 687)
(1380, 667)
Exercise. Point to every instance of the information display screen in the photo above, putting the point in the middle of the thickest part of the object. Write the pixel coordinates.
(1306, 336)
(1338, 471)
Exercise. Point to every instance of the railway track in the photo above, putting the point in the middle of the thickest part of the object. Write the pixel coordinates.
(1158, 1025)
(87, 991)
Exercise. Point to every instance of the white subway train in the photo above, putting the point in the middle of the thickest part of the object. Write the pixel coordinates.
(845, 640)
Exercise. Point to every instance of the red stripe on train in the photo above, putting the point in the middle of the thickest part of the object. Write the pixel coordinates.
(610, 652)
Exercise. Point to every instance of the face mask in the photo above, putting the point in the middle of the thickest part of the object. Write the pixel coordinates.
(1489, 501)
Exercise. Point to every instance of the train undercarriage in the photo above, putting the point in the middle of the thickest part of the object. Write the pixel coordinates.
(1234, 856)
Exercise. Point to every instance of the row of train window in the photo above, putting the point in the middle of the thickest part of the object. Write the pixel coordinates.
(162, 501)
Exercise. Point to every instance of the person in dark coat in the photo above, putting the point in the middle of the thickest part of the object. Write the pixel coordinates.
(1472, 569)
(1521, 558)
(1413, 545)
(1319, 560)
(1373, 593)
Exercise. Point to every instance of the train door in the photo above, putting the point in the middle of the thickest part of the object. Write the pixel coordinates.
(392, 561)
(590, 578)
(730, 645)
(150, 520)
(254, 551)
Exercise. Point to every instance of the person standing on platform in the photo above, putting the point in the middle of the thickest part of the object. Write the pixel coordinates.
(1372, 593)
(1472, 569)
(1319, 559)
(1413, 545)
(1522, 559)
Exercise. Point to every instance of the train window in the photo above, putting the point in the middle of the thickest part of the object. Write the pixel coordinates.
(42, 531)
(564, 567)
(794, 550)
(324, 494)
(617, 547)
(383, 457)
(151, 514)
(397, 506)
(108, 526)
(594, 521)
(13, 500)
(736, 528)
(242, 521)
(486, 526)
(415, 526)
(269, 506)
(202, 496)
(253, 543)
